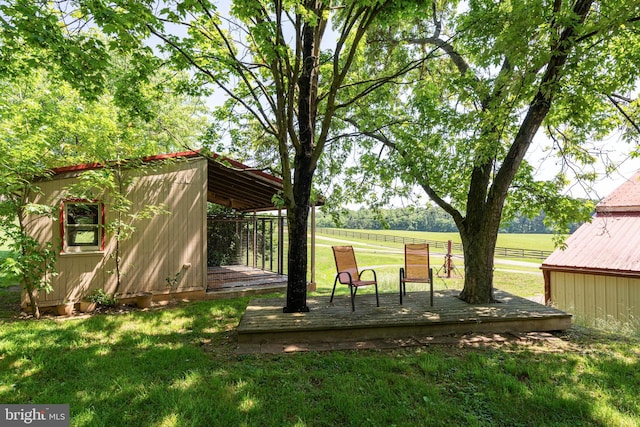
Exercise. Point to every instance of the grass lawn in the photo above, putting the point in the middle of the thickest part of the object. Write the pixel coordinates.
(5, 280)
(542, 242)
(386, 258)
(177, 366)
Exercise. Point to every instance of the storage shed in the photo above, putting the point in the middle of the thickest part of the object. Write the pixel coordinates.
(166, 249)
(597, 276)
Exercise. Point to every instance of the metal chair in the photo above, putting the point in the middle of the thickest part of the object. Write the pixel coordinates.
(416, 268)
(348, 273)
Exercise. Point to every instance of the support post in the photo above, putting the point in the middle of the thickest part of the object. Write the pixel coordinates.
(255, 239)
(312, 285)
(248, 242)
(239, 234)
(271, 244)
(264, 242)
(449, 259)
(280, 242)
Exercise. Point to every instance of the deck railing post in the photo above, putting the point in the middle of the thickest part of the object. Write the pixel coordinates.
(280, 242)
(255, 239)
(264, 241)
(313, 247)
(271, 244)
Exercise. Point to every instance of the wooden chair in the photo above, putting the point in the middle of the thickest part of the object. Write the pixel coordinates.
(416, 268)
(348, 273)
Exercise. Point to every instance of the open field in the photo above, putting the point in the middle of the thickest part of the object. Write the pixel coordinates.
(526, 242)
(510, 240)
(514, 276)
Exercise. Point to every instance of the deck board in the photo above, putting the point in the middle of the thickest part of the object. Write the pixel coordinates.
(238, 277)
(264, 322)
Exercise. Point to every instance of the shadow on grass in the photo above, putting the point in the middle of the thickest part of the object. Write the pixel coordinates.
(178, 366)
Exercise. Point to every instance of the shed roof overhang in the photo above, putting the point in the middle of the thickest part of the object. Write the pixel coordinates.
(229, 182)
(237, 186)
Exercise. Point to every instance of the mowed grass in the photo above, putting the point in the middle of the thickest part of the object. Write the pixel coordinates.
(178, 366)
(9, 302)
(386, 258)
(5, 279)
(542, 242)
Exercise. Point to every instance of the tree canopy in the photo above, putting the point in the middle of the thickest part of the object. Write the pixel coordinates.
(281, 81)
(495, 73)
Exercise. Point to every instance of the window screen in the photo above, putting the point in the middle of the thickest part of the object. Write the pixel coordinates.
(82, 226)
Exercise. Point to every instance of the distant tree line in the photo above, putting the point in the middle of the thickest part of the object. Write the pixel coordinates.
(421, 219)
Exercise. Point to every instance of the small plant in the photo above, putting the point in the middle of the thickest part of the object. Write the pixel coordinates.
(100, 297)
(172, 281)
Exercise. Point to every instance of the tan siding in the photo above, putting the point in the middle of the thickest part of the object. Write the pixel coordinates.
(589, 294)
(569, 292)
(620, 301)
(555, 278)
(579, 288)
(158, 249)
(166, 243)
(611, 296)
(600, 297)
(634, 300)
(562, 288)
(203, 232)
(591, 297)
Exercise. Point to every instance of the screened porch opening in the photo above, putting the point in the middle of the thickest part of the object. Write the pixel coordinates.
(245, 250)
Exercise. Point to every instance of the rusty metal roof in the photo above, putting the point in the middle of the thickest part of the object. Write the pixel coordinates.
(625, 198)
(229, 183)
(610, 243)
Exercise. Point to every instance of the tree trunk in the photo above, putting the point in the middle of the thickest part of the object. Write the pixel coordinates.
(297, 217)
(33, 299)
(304, 168)
(478, 246)
(117, 260)
(479, 233)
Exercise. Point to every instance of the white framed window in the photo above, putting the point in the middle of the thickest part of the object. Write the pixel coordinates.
(82, 226)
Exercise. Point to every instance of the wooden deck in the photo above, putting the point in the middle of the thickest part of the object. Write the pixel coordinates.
(240, 280)
(264, 323)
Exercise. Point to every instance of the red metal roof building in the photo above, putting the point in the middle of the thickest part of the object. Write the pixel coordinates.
(598, 273)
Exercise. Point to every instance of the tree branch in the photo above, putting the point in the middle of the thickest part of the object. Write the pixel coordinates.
(626, 116)
(259, 114)
(361, 19)
(540, 105)
(600, 30)
(456, 58)
(384, 140)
